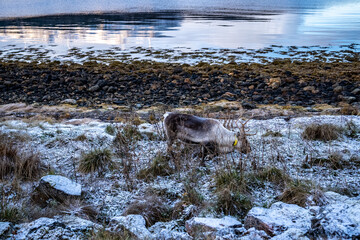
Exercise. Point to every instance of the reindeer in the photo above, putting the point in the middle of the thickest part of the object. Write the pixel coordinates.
(207, 132)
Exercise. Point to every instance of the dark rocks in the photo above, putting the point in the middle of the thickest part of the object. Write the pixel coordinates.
(140, 83)
(94, 88)
(247, 105)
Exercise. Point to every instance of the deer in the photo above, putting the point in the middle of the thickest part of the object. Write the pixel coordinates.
(207, 132)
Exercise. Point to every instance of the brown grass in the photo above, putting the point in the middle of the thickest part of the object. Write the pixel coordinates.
(296, 192)
(322, 132)
(152, 208)
(334, 161)
(13, 161)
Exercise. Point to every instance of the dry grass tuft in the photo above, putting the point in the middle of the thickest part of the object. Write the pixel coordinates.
(24, 166)
(296, 192)
(322, 132)
(232, 180)
(125, 140)
(159, 167)
(334, 161)
(192, 195)
(270, 133)
(233, 203)
(349, 110)
(81, 138)
(271, 174)
(96, 160)
(152, 208)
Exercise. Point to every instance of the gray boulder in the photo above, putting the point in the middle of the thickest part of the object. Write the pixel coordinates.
(279, 218)
(169, 231)
(340, 218)
(56, 187)
(134, 224)
(211, 228)
(59, 227)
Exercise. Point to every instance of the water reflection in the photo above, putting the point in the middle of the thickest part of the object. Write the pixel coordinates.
(218, 28)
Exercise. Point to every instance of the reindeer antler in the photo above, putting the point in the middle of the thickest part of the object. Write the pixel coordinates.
(243, 125)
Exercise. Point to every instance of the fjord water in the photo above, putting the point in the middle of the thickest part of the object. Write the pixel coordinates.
(160, 24)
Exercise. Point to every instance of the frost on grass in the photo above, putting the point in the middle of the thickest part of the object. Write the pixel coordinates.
(144, 168)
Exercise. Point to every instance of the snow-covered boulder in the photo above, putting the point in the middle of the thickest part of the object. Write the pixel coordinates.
(205, 227)
(56, 187)
(279, 218)
(169, 231)
(135, 224)
(59, 227)
(340, 218)
(4, 228)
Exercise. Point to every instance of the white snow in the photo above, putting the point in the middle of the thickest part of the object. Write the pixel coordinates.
(63, 184)
(282, 216)
(217, 223)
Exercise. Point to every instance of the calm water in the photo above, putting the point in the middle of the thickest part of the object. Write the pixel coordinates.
(63, 24)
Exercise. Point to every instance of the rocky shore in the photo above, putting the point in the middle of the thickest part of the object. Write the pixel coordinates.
(142, 84)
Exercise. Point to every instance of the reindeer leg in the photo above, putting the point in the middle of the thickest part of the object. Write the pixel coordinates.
(202, 162)
(170, 148)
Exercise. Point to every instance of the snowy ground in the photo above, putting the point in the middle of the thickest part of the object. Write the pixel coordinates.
(60, 151)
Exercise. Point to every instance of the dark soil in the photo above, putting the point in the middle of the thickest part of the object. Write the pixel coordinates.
(143, 84)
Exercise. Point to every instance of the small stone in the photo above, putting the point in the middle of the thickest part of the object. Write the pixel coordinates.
(69, 101)
(311, 89)
(274, 83)
(338, 89)
(257, 98)
(356, 91)
(94, 88)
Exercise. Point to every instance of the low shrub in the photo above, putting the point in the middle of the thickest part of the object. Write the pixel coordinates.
(107, 235)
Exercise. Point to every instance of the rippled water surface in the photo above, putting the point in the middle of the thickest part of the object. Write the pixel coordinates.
(216, 24)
